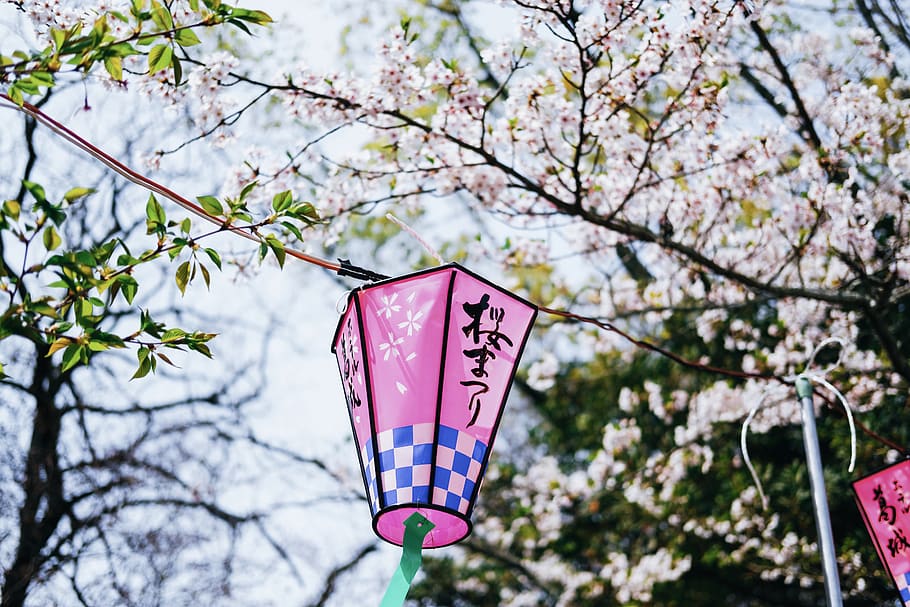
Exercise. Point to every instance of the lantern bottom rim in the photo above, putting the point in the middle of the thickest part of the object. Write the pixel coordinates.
(451, 526)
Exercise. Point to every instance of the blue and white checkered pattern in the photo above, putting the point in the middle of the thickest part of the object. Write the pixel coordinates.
(366, 456)
(406, 462)
(903, 587)
(459, 462)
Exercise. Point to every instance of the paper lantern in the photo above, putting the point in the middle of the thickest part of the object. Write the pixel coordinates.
(884, 501)
(426, 361)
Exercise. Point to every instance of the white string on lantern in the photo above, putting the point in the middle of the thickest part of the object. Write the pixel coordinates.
(817, 377)
(341, 304)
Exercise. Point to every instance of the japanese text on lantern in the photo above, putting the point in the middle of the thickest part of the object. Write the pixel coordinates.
(483, 331)
(350, 364)
(883, 498)
(887, 513)
(889, 505)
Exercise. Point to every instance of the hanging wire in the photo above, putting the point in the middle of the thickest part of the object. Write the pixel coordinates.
(646, 345)
(817, 377)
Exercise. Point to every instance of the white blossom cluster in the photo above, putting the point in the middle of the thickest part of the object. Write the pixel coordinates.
(634, 581)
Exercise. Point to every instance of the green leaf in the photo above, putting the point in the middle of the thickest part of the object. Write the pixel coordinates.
(305, 212)
(54, 212)
(247, 189)
(35, 190)
(114, 67)
(277, 248)
(128, 286)
(178, 70)
(252, 16)
(86, 259)
(104, 285)
(28, 86)
(205, 276)
(240, 25)
(99, 30)
(45, 79)
(15, 94)
(58, 36)
(108, 339)
(146, 363)
(160, 57)
(282, 201)
(150, 325)
(211, 205)
(172, 335)
(162, 17)
(293, 229)
(186, 37)
(142, 353)
(73, 354)
(42, 308)
(201, 348)
(155, 218)
(183, 276)
(144, 367)
(306, 209)
(97, 346)
(84, 308)
(103, 252)
(11, 208)
(77, 193)
(51, 238)
(176, 250)
(242, 215)
(213, 255)
(123, 49)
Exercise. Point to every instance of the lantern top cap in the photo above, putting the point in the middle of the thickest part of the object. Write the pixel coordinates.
(451, 266)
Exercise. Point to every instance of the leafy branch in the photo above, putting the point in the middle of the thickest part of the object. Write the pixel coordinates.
(28, 73)
(94, 281)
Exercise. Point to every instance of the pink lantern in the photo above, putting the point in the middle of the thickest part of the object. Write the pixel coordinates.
(427, 360)
(884, 501)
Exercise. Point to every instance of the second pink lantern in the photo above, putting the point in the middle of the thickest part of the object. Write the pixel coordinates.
(883, 499)
(426, 361)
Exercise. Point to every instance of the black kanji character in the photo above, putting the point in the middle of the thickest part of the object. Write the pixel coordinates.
(475, 311)
(474, 404)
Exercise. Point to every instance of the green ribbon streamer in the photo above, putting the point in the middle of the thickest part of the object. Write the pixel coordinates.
(416, 527)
